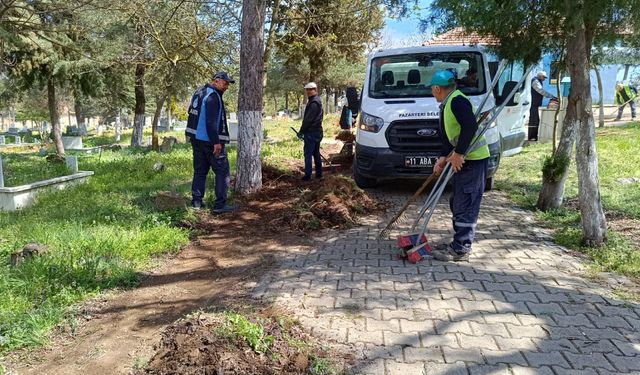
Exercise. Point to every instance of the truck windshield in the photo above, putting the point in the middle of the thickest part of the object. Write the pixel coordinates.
(409, 75)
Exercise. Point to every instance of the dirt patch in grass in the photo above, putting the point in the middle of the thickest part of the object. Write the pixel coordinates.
(286, 201)
(266, 342)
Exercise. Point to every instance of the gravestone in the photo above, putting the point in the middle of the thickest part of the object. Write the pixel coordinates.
(2, 140)
(167, 144)
(18, 139)
(72, 163)
(71, 142)
(72, 131)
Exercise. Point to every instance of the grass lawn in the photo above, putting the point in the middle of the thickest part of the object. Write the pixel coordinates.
(100, 234)
(520, 177)
(21, 167)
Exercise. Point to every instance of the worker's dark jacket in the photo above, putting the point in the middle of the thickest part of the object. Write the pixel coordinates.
(536, 97)
(312, 121)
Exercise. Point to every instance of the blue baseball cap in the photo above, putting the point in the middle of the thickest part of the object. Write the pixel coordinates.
(225, 76)
(442, 78)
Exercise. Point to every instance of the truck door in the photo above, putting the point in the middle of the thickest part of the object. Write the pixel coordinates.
(511, 121)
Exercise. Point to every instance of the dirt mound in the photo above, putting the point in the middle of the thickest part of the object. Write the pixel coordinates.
(346, 136)
(232, 343)
(334, 201)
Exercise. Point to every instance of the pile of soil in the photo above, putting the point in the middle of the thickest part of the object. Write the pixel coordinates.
(207, 345)
(333, 202)
(346, 136)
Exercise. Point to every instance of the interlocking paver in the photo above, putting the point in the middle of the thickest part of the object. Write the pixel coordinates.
(489, 370)
(537, 359)
(452, 355)
(402, 339)
(471, 342)
(581, 361)
(624, 363)
(545, 370)
(423, 354)
(514, 344)
(458, 368)
(518, 307)
(398, 368)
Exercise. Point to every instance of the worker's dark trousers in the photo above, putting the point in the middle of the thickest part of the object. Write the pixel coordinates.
(203, 160)
(632, 104)
(312, 149)
(534, 123)
(468, 186)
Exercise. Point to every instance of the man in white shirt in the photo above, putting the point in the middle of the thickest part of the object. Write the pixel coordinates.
(537, 93)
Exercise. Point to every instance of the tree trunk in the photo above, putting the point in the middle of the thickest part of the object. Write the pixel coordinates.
(286, 101)
(594, 226)
(275, 20)
(249, 167)
(155, 144)
(53, 113)
(600, 98)
(626, 72)
(138, 120)
(118, 125)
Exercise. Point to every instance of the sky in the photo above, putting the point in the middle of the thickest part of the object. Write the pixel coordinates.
(397, 32)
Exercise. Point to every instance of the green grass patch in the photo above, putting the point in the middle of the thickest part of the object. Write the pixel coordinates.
(520, 176)
(25, 168)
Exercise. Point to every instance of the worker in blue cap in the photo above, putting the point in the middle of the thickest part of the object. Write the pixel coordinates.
(458, 128)
(208, 133)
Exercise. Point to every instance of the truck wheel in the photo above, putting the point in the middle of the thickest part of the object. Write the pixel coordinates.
(362, 181)
(489, 184)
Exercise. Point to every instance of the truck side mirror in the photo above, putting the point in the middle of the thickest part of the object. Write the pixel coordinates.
(516, 98)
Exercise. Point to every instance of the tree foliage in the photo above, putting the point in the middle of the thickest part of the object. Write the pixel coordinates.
(526, 29)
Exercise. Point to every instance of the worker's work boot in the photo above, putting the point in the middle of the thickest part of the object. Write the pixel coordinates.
(445, 253)
(224, 210)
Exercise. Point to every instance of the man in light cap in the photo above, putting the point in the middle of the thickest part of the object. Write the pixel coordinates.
(208, 133)
(626, 94)
(537, 93)
(311, 131)
(458, 129)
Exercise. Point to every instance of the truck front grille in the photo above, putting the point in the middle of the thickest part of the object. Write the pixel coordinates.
(414, 136)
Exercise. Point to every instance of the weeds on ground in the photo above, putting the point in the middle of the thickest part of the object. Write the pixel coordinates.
(240, 327)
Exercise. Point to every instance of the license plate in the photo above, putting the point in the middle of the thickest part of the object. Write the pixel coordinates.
(419, 161)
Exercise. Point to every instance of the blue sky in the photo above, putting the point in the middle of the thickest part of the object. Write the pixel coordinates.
(408, 26)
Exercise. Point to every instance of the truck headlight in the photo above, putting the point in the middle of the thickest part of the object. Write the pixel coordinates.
(370, 123)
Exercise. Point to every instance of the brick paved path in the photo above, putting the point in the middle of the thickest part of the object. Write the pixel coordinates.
(519, 307)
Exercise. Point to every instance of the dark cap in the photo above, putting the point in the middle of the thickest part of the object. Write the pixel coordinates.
(225, 76)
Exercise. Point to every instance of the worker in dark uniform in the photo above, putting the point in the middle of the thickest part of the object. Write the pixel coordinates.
(537, 93)
(208, 133)
(311, 131)
(626, 94)
(458, 129)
